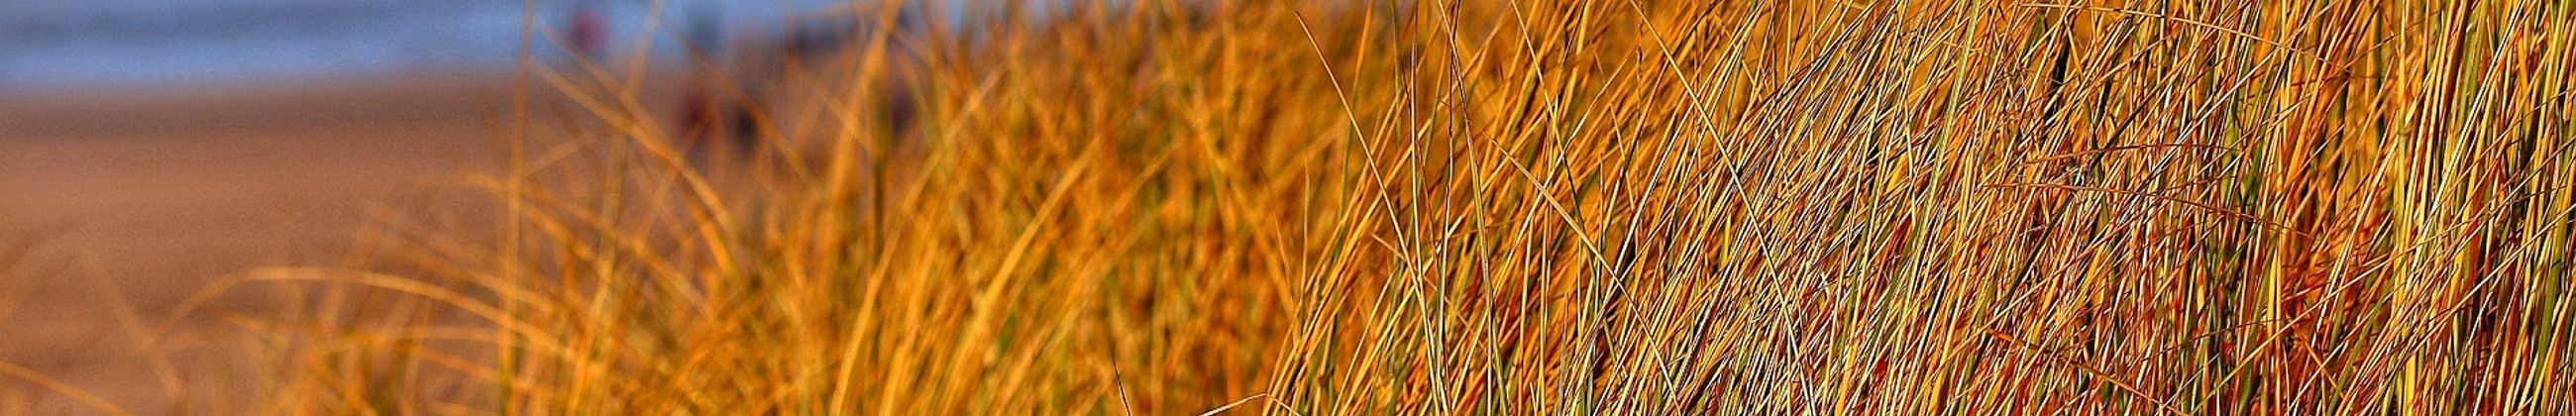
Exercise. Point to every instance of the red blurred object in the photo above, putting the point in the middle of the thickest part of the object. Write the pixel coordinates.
(589, 30)
(697, 118)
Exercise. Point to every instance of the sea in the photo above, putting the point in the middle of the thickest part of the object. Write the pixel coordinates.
(76, 45)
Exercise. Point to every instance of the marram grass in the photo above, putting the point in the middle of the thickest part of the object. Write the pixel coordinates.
(1527, 207)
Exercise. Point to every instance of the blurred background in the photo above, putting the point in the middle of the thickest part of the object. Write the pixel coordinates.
(149, 147)
(55, 45)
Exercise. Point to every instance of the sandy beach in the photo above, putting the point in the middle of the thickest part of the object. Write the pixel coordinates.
(140, 198)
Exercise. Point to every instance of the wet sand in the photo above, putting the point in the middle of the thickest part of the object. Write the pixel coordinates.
(154, 194)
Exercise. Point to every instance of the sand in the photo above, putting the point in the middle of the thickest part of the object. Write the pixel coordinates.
(141, 198)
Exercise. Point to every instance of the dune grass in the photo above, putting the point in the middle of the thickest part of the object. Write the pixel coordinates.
(1524, 207)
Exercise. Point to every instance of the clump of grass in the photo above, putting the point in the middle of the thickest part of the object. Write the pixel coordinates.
(1118, 236)
(1941, 208)
(2213, 207)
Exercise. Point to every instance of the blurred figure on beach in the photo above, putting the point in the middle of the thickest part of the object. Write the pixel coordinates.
(736, 84)
(703, 120)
